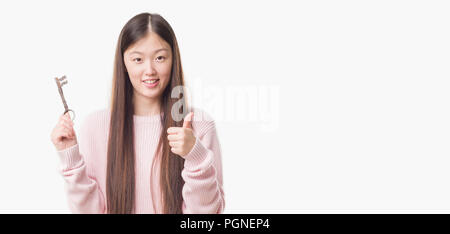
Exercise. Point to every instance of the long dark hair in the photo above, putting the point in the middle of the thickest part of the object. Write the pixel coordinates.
(120, 180)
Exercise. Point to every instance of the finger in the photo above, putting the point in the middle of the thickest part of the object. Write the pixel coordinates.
(61, 118)
(64, 123)
(69, 130)
(65, 127)
(67, 117)
(188, 120)
(64, 133)
(68, 127)
(173, 137)
(174, 143)
(173, 130)
(175, 150)
(69, 122)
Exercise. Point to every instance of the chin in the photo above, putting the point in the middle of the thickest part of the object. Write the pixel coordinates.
(151, 95)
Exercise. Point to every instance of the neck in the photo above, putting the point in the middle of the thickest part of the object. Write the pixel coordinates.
(144, 106)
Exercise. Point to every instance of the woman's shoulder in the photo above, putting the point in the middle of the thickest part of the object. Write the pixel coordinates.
(94, 131)
(96, 116)
(96, 120)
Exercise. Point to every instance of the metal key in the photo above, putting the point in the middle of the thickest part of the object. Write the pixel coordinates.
(61, 82)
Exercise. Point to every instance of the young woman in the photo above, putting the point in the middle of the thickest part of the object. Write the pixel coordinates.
(139, 155)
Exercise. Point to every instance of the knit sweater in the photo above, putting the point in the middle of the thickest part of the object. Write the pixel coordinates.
(84, 165)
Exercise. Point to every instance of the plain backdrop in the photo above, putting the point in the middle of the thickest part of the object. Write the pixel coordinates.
(320, 106)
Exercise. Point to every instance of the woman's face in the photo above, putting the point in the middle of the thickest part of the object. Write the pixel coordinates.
(149, 64)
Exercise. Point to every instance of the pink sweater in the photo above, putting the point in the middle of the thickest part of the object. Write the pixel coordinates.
(83, 166)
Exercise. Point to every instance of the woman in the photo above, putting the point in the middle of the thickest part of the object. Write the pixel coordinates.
(140, 155)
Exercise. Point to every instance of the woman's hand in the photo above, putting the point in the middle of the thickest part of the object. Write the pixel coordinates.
(182, 140)
(63, 136)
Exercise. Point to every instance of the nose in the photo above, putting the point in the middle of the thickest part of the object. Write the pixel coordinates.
(149, 69)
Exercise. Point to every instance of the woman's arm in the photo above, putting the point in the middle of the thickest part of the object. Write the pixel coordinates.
(202, 173)
(83, 193)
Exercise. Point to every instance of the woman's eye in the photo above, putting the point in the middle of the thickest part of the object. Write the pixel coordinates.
(160, 58)
(137, 59)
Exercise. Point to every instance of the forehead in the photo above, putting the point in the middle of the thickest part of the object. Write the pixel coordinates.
(149, 44)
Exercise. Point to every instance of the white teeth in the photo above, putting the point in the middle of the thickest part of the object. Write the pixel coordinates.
(150, 81)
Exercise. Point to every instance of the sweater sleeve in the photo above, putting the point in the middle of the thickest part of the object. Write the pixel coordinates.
(202, 174)
(83, 193)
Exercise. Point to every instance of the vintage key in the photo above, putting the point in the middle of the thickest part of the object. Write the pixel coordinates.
(60, 82)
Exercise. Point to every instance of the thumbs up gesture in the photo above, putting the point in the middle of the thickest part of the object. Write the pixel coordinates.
(182, 140)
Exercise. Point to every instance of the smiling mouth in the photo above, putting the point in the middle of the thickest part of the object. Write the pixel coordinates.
(151, 81)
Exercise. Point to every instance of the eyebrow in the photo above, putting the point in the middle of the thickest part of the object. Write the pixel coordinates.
(155, 51)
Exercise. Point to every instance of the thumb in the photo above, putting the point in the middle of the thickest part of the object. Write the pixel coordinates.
(188, 120)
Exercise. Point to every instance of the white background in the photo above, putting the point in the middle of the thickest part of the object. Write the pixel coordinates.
(363, 104)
